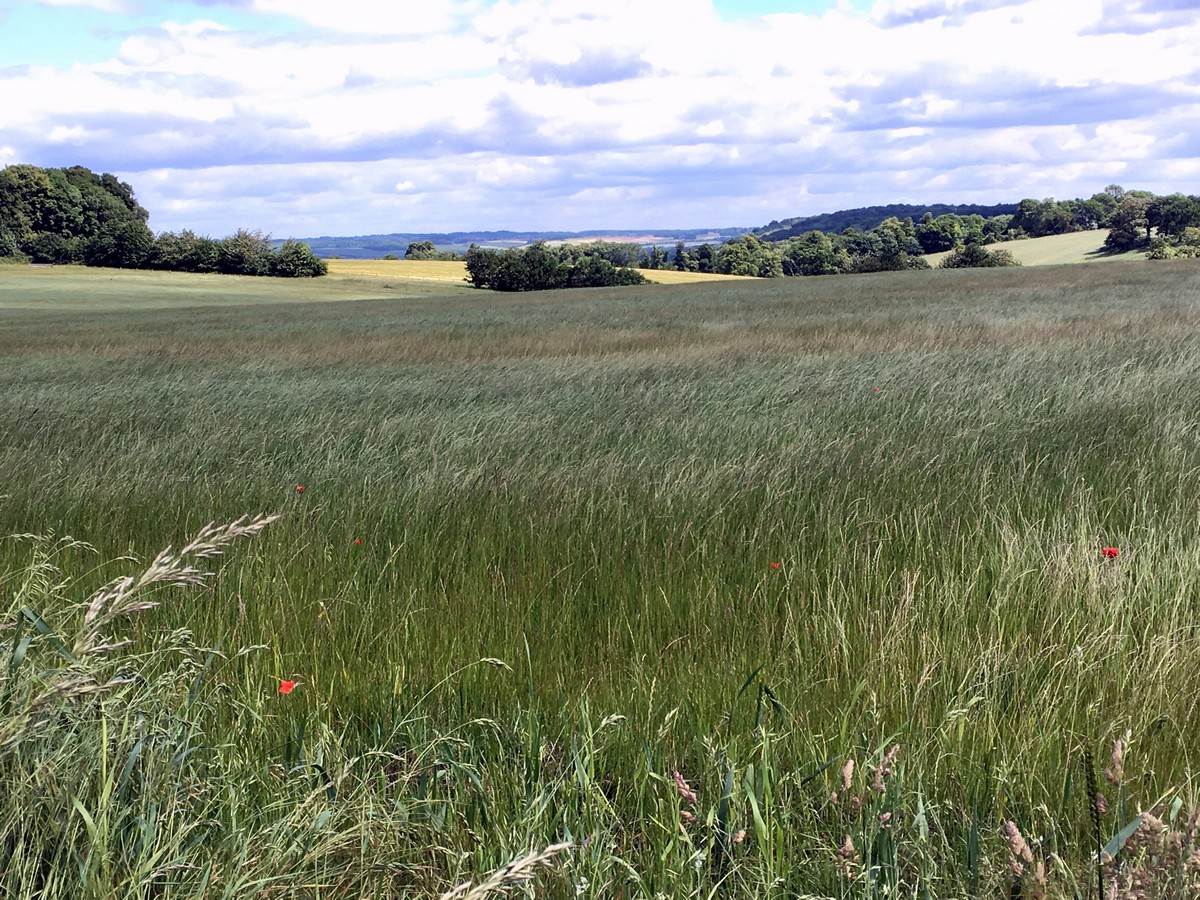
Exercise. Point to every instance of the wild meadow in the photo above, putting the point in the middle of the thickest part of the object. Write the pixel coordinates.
(869, 586)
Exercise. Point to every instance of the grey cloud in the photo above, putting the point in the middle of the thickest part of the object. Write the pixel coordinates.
(600, 67)
(1144, 16)
(955, 13)
(147, 141)
(1004, 99)
(356, 78)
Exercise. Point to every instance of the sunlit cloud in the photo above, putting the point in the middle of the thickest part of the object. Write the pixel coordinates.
(306, 117)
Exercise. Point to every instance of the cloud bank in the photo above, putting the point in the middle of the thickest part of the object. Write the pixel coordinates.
(305, 117)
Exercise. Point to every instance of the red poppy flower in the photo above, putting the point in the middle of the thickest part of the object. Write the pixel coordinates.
(286, 687)
(1111, 552)
(775, 565)
(299, 489)
(358, 540)
(876, 389)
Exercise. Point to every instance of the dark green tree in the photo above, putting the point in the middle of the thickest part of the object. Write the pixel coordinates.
(540, 267)
(482, 266)
(1171, 214)
(940, 234)
(52, 247)
(245, 252)
(1038, 218)
(296, 260)
(10, 249)
(184, 252)
(680, 260)
(120, 244)
(421, 250)
(977, 256)
(1128, 226)
(814, 253)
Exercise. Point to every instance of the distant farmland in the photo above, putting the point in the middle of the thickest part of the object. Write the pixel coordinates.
(456, 272)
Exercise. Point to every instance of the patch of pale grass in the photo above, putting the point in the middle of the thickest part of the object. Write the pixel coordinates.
(87, 289)
(452, 271)
(674, 276)
(1057, 250)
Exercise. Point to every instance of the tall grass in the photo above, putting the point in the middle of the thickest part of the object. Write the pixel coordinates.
(550, 550)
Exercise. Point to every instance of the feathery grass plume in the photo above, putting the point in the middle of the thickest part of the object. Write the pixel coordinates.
(1029, 876)
(36, 696)
(1115, 773)
(513, 874)
(884, 769)
(849, 859)
(681, 785)
(1019, 854)
(1157, 861)
(127, 596)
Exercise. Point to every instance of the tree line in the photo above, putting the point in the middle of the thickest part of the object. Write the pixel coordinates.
(867, 217)
(892, 245)
(1165, 226)
(73, 215)
(540, 266)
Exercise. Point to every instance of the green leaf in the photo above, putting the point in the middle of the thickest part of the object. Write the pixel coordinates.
(40, 624)
(1117, 844)
(88, 821)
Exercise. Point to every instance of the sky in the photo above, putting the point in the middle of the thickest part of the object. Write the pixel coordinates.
(313, 117)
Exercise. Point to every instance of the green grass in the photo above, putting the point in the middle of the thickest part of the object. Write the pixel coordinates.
(1059, 249)
(591, 487)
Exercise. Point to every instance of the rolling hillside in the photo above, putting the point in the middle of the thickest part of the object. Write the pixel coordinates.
(1057, 249)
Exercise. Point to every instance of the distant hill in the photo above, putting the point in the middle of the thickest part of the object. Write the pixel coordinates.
(868, 217)
(374, 246)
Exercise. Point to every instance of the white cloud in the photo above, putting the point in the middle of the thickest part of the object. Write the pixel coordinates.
(373, 17)
(113, 6)
(454, 113)
(62, 134)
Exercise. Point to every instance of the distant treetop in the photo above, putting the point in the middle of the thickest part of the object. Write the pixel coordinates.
(73, 215)
(868, 217)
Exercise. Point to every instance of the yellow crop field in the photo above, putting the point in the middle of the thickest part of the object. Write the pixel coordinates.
(674, 276)
(455, 272)
(417, 269)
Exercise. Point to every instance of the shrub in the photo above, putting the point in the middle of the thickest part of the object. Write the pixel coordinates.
(122, 245)
(539, 267)
(49, 247)
(184, 252)
(245, 252)
(977, 256)
(296, 260)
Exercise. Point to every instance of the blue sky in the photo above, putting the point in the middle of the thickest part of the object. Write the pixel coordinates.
(306, 117)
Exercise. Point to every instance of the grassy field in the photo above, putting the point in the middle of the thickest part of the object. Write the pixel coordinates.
(552, 549)
(77, 289)
(456, 272)
(1059, 249)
